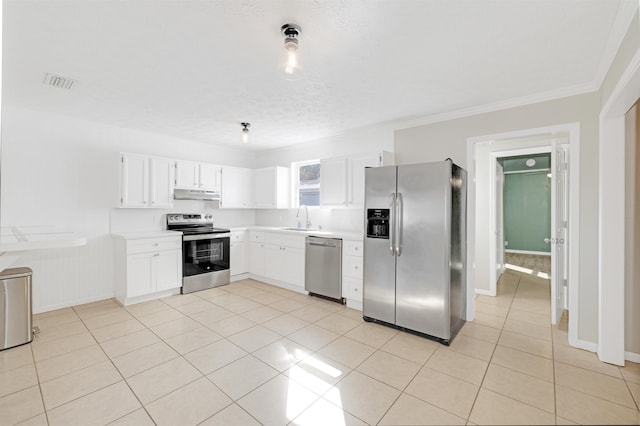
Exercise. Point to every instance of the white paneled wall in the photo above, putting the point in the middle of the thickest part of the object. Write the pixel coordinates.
(64, 172)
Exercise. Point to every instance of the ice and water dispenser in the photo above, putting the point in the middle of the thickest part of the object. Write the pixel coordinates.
(378, 223)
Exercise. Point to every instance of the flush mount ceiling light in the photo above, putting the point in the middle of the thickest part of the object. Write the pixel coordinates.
(291, 32)
(245, 132)
(530, 162)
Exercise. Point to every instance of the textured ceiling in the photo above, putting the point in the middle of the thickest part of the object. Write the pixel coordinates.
(196, 69)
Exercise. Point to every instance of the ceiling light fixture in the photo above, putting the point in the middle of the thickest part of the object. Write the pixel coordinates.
(291, 32)
(245, 132)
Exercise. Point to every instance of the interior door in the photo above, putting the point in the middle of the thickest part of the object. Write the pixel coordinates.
(499, 230)
(559, 228)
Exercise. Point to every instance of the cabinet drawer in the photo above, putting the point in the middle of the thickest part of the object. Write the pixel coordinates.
(277, 239)
(238, 236)
(353, 248)
(352, 267)
(153, 244)
(352, 289)
(257, 237)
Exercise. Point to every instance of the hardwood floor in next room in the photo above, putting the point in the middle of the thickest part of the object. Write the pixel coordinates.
(250, 353)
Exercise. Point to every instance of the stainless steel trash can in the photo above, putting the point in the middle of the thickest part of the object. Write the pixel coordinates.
(15, 307)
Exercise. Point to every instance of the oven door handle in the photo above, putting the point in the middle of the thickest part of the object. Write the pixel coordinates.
(205, 237)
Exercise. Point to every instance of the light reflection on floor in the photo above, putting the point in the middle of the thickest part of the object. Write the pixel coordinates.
(527, 271)
(310, 372)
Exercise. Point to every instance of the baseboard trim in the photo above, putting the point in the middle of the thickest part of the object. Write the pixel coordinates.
(633, 357)
(584, 344)
(49, 308)
(484, 292)
(240, 277)
(537, 253)
(277, 283)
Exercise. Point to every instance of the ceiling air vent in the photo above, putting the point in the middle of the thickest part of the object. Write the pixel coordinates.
(59, 81)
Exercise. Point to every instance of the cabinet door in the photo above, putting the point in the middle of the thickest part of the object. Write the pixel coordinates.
(239, 264)
(209, 176)
(167, 269)
(139, 274)
(232, 188)
(161, 171)
(134, 177)
(333, 182)
(293, 272)
(356, 178)
(274, 265)
(247, 188)
(187, 175)
(264, 188)
(256, 263)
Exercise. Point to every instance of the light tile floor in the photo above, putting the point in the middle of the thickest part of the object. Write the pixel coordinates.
(250, 353)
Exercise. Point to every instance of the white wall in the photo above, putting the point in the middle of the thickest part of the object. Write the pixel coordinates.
(434, 142)
(363, 141)
(64, 172)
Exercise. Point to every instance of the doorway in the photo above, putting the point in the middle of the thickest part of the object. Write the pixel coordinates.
(485, 245)
(523, 216)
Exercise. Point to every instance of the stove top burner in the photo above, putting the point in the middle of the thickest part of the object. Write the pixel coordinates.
(194, 223)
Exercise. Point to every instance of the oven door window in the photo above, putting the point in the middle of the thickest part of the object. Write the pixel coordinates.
(202, 256)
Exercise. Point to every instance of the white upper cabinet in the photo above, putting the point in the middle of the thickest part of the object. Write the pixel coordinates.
(146, 182)
(271, 188)
(342, 178)
(161, 173)
(236, 188)
(193, 175)
(334, 181)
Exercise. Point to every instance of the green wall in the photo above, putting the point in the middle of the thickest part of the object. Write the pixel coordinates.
(527, 211)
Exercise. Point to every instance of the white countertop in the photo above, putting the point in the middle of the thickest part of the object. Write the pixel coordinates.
(146, 234)
(25, 238)
(345, 235)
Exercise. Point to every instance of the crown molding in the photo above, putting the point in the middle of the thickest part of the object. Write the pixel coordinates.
(626, 12)
(498, 106)
(624, 17)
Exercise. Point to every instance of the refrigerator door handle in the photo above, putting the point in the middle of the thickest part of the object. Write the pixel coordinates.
(392, 217)
(398, 231)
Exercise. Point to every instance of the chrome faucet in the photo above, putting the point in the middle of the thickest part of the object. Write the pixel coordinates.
(307, 223)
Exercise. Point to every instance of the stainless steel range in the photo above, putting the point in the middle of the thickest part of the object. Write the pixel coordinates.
(205, 251)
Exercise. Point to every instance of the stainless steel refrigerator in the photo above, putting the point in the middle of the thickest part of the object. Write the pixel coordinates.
(415, 248)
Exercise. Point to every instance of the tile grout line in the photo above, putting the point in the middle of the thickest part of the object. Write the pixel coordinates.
(468, 419)
(121, 376)
(35, 367)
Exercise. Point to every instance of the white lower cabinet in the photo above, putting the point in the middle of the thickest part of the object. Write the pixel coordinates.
(279, 258)
(147, 268)
(239, 253)
(352, 273)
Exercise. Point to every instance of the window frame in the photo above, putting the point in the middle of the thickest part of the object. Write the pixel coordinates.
(296, 187)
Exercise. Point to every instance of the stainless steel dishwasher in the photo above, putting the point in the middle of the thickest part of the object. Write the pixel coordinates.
(323, 267)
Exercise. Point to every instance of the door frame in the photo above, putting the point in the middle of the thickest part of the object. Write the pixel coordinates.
(612, 232)
(477, 234)
(543, 149)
